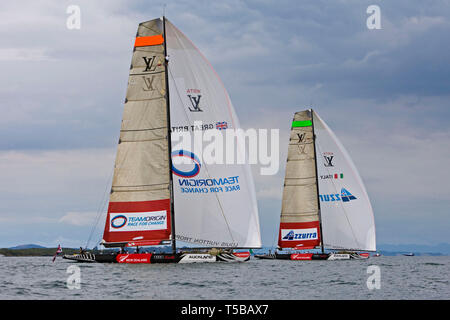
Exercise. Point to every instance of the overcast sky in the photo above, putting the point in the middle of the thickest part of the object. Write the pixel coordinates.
(384, 92)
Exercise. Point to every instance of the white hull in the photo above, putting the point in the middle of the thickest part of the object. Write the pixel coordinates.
(347, 256)
(197, 257)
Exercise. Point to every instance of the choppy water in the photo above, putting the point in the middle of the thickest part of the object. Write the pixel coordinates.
(400, 278)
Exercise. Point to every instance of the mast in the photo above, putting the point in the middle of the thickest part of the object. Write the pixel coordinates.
(169, 137)
(317, 181)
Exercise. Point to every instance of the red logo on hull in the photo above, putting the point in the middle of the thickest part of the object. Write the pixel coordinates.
(245, 254)
(301, 256)
(134, 258)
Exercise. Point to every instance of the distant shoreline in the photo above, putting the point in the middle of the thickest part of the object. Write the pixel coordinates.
(34, 252)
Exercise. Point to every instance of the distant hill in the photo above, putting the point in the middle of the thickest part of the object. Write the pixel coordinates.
(27, 252)
(27, 246)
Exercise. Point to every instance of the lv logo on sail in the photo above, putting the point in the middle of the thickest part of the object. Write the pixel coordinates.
(149, 63)
(328, 161)
(195, 101)
(148, 83)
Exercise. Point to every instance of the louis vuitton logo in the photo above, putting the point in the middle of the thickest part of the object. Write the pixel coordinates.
(328, 161)
(301, 149)
(149, 63)
(195, 101)
(301, 137)
(148, 83)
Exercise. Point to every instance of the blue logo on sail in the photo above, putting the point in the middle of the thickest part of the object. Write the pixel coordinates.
(300, 234)
(190, 155)
(344, 196)
(289, 236)
(118, 221)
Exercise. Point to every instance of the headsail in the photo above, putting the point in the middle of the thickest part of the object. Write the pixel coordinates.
(139, 207)
(215, 204)
(347, 215)
(299, 222)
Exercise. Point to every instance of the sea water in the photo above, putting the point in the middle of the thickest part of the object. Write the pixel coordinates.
(385, 277)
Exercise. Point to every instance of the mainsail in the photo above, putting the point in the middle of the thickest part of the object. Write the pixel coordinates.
(300, 223)
(324, 199)
(139, 205)
(173, 88)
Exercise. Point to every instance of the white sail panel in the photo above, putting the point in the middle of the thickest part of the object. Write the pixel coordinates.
(214, 204)
(346, 212)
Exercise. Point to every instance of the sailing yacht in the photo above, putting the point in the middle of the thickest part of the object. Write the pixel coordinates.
(325, 204)
(156, 200)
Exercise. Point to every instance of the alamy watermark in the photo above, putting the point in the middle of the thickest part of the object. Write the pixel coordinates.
(374, 280)
(73, 21)
(74, 280)
(374, 20)
(203, 144)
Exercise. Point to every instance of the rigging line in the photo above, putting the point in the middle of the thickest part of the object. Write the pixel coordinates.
(205, 166)
(275, 233)
(341, 202)
(101, 207)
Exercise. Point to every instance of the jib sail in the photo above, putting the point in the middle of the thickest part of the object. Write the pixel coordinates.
(215, 203)
(346, 212)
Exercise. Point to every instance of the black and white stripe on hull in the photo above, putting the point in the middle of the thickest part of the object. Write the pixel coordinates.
(82, 257)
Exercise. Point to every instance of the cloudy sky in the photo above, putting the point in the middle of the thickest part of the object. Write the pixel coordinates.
(385, 93)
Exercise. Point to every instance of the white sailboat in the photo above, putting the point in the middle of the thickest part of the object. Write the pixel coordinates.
(325, 204)
(154, 200)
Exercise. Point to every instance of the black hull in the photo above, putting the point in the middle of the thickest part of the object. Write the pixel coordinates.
(105, 258)
(320, 256)
(114, 257)
(283, 256)
(150, 258)
(290, 256)
(270, 256)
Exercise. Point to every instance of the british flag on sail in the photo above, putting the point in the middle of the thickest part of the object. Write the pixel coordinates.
(221, 125)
